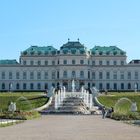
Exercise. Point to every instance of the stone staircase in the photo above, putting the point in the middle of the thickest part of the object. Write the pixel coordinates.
(70, 105)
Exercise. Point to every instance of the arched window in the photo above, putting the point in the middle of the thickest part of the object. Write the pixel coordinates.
(115, 86)
(31, 86)
(3, 85)
(81, 74)
(24, 86)
(122, 85)
(17, 86)
(53, 75)
(73, 74)
(108, 86)
(100, 75)
(129, 85)
(100, 86)
(38, 86)
(88, 74)
(93, 75)
(65, 74)
(46, 86)
(73, 62)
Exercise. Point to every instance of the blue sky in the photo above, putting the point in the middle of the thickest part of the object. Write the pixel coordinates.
(52, 22)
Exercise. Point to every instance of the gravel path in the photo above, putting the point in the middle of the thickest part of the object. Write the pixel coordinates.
(70, 127)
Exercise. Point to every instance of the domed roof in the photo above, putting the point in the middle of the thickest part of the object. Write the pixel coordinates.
(73, 45)
(39, 50)
(8, 62)
(107, 50)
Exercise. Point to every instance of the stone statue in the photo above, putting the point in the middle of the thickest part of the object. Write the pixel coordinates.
(12, 107)
(134, 107)
(51, 92)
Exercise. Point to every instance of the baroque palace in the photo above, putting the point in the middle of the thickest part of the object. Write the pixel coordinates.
(40, 68)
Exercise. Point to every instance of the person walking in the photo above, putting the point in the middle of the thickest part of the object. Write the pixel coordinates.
(103, 112)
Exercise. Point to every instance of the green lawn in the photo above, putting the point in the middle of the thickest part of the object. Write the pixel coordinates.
(35, 99)
(111, 99)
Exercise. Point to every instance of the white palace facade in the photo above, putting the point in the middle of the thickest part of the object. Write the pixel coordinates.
(40, 68)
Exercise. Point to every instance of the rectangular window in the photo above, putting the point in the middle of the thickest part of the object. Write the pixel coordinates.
(93, 63)
(73, 62)
(17, 75)
(46, 75)
(39, 63)
(129, 75)
(53, 62)
(31, 62)
(136, 75)
(100, 75)
(81, 62)
(107, 63)
(38, 75)
(3, 75)
(122, 62)
(93, 75)
(65, 62)
(115, 75)
(46, 63)
(10, 75)
(65, 74)
(81, 74)
(100, 63)
(115, 63)
(31, 75)
(24, 75)
(107, 75)
(53, 75)
(24, 62)
(122, 76)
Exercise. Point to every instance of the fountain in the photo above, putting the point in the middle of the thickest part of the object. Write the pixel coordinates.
(73, 86)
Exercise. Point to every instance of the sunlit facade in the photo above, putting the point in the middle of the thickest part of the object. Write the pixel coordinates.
(40, 68)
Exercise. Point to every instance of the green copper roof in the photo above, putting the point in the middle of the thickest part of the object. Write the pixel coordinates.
(39, 50)
(5, 62)
(72, 45)
(107, 50)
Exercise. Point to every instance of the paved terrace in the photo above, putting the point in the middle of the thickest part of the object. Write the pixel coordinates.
(70, 127)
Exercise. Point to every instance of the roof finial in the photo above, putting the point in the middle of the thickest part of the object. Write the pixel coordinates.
(68, 39)
(78, 39)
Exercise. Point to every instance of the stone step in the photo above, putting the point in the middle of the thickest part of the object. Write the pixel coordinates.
(70, 105)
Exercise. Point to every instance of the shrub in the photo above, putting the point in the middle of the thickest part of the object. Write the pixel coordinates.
(126, 116)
